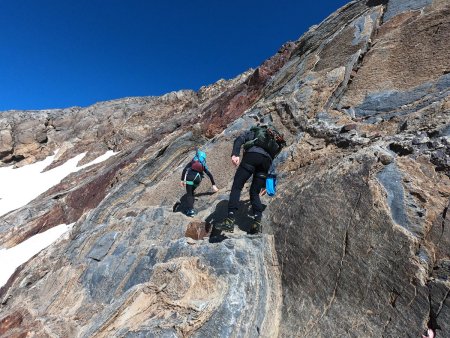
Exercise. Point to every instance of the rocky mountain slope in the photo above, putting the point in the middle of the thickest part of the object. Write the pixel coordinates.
(355, 244)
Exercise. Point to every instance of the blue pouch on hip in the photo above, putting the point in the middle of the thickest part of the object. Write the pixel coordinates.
(271, 185)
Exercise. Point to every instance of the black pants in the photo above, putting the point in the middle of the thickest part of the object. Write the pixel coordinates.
(195, 177)
(257, 165)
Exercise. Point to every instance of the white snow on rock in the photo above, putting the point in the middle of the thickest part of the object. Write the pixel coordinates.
(11, 259)
(20, 186)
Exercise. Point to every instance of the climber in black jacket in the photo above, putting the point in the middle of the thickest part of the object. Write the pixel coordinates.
(261, 145)
(192, 176)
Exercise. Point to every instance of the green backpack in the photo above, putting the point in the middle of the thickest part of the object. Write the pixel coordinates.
(268, 138)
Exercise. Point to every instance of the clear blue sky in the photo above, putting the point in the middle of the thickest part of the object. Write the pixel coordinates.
(62, 53)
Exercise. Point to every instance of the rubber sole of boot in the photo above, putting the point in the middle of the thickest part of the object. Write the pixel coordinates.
(256, 229)
(224, 228)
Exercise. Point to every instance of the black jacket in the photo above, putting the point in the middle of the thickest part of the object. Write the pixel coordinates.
(206, 171)
(243, 138)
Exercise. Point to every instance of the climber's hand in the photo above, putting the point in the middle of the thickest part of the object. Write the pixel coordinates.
(235, 160)
(430, 334)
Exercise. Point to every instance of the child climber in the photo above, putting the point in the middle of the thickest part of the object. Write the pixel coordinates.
(191, 177)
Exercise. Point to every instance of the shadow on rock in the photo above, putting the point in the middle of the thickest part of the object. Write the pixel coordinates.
(243, 221)
(181, 205)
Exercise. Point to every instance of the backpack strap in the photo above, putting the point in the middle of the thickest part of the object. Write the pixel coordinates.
(193, 181)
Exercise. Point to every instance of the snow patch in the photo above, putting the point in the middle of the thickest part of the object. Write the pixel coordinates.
(20, 186)
(11, 259)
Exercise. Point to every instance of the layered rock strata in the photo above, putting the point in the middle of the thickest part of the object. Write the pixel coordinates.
(355, 244)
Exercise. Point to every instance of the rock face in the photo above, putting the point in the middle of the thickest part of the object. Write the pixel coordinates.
(356, 243)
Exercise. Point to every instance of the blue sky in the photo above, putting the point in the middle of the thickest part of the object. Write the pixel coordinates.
(63, 53)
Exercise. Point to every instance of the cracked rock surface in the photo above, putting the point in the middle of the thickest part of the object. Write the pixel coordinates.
(355, 244)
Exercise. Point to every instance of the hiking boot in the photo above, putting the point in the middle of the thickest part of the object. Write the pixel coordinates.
(176, 206)
(190, 213)
(227, 225)
(256, 227)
